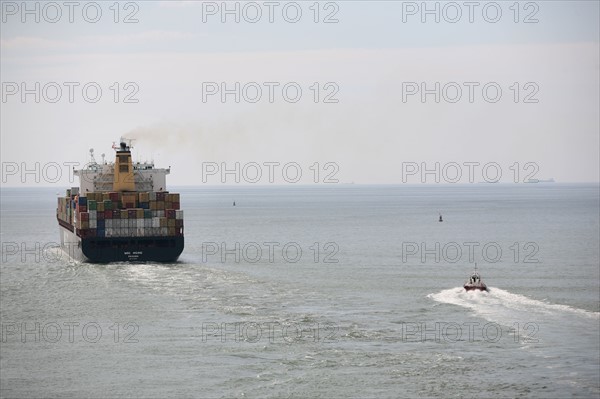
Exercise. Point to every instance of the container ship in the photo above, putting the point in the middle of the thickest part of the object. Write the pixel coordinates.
(121, 212)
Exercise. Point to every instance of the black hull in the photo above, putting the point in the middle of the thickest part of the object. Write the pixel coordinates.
(121, 249)
(132, 249)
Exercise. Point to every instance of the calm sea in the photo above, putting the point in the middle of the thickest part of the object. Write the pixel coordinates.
(315, 291)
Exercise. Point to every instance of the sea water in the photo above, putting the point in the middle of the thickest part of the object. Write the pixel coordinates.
(315, 291)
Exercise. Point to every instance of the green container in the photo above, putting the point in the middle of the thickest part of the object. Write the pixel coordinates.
(108, 205)
(147, 214)
(91, 205)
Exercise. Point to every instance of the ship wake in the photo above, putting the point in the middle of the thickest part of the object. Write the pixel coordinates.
(498, 302)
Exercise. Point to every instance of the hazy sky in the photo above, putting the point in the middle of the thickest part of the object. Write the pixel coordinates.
(517, 86)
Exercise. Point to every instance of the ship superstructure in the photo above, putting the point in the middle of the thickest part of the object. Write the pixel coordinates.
(121, 212)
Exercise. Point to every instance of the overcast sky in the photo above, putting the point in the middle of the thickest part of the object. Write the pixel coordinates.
(361, 70)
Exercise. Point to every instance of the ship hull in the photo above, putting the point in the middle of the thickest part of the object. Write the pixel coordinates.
(120, 249)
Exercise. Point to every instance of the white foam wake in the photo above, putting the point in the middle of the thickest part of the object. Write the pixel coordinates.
(498, 303)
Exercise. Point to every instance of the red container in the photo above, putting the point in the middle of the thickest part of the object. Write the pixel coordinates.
(128, 205)
(116, 214)
(84, 216)
(160, 196)
(176, 205)
(178, 222)
(170, 213)
(131, 214)
(82, 208)
(114, 197)
(100, 216)
(108, 214)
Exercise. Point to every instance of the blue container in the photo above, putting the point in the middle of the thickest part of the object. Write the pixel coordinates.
(100, 232)
(82, 200)
(100, 224)
(145, 205)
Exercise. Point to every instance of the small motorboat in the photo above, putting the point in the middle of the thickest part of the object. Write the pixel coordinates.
(475, 283)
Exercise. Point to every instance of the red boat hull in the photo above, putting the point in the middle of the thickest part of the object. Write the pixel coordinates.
(477, 288)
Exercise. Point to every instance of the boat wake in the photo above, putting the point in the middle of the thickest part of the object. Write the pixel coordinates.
(498, 304)
(549, 324)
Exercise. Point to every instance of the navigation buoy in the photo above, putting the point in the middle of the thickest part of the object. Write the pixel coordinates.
(441, 220)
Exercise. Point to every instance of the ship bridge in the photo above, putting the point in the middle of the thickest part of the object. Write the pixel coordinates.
(121, 175)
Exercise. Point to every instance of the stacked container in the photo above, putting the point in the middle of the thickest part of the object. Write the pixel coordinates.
(115, 214)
